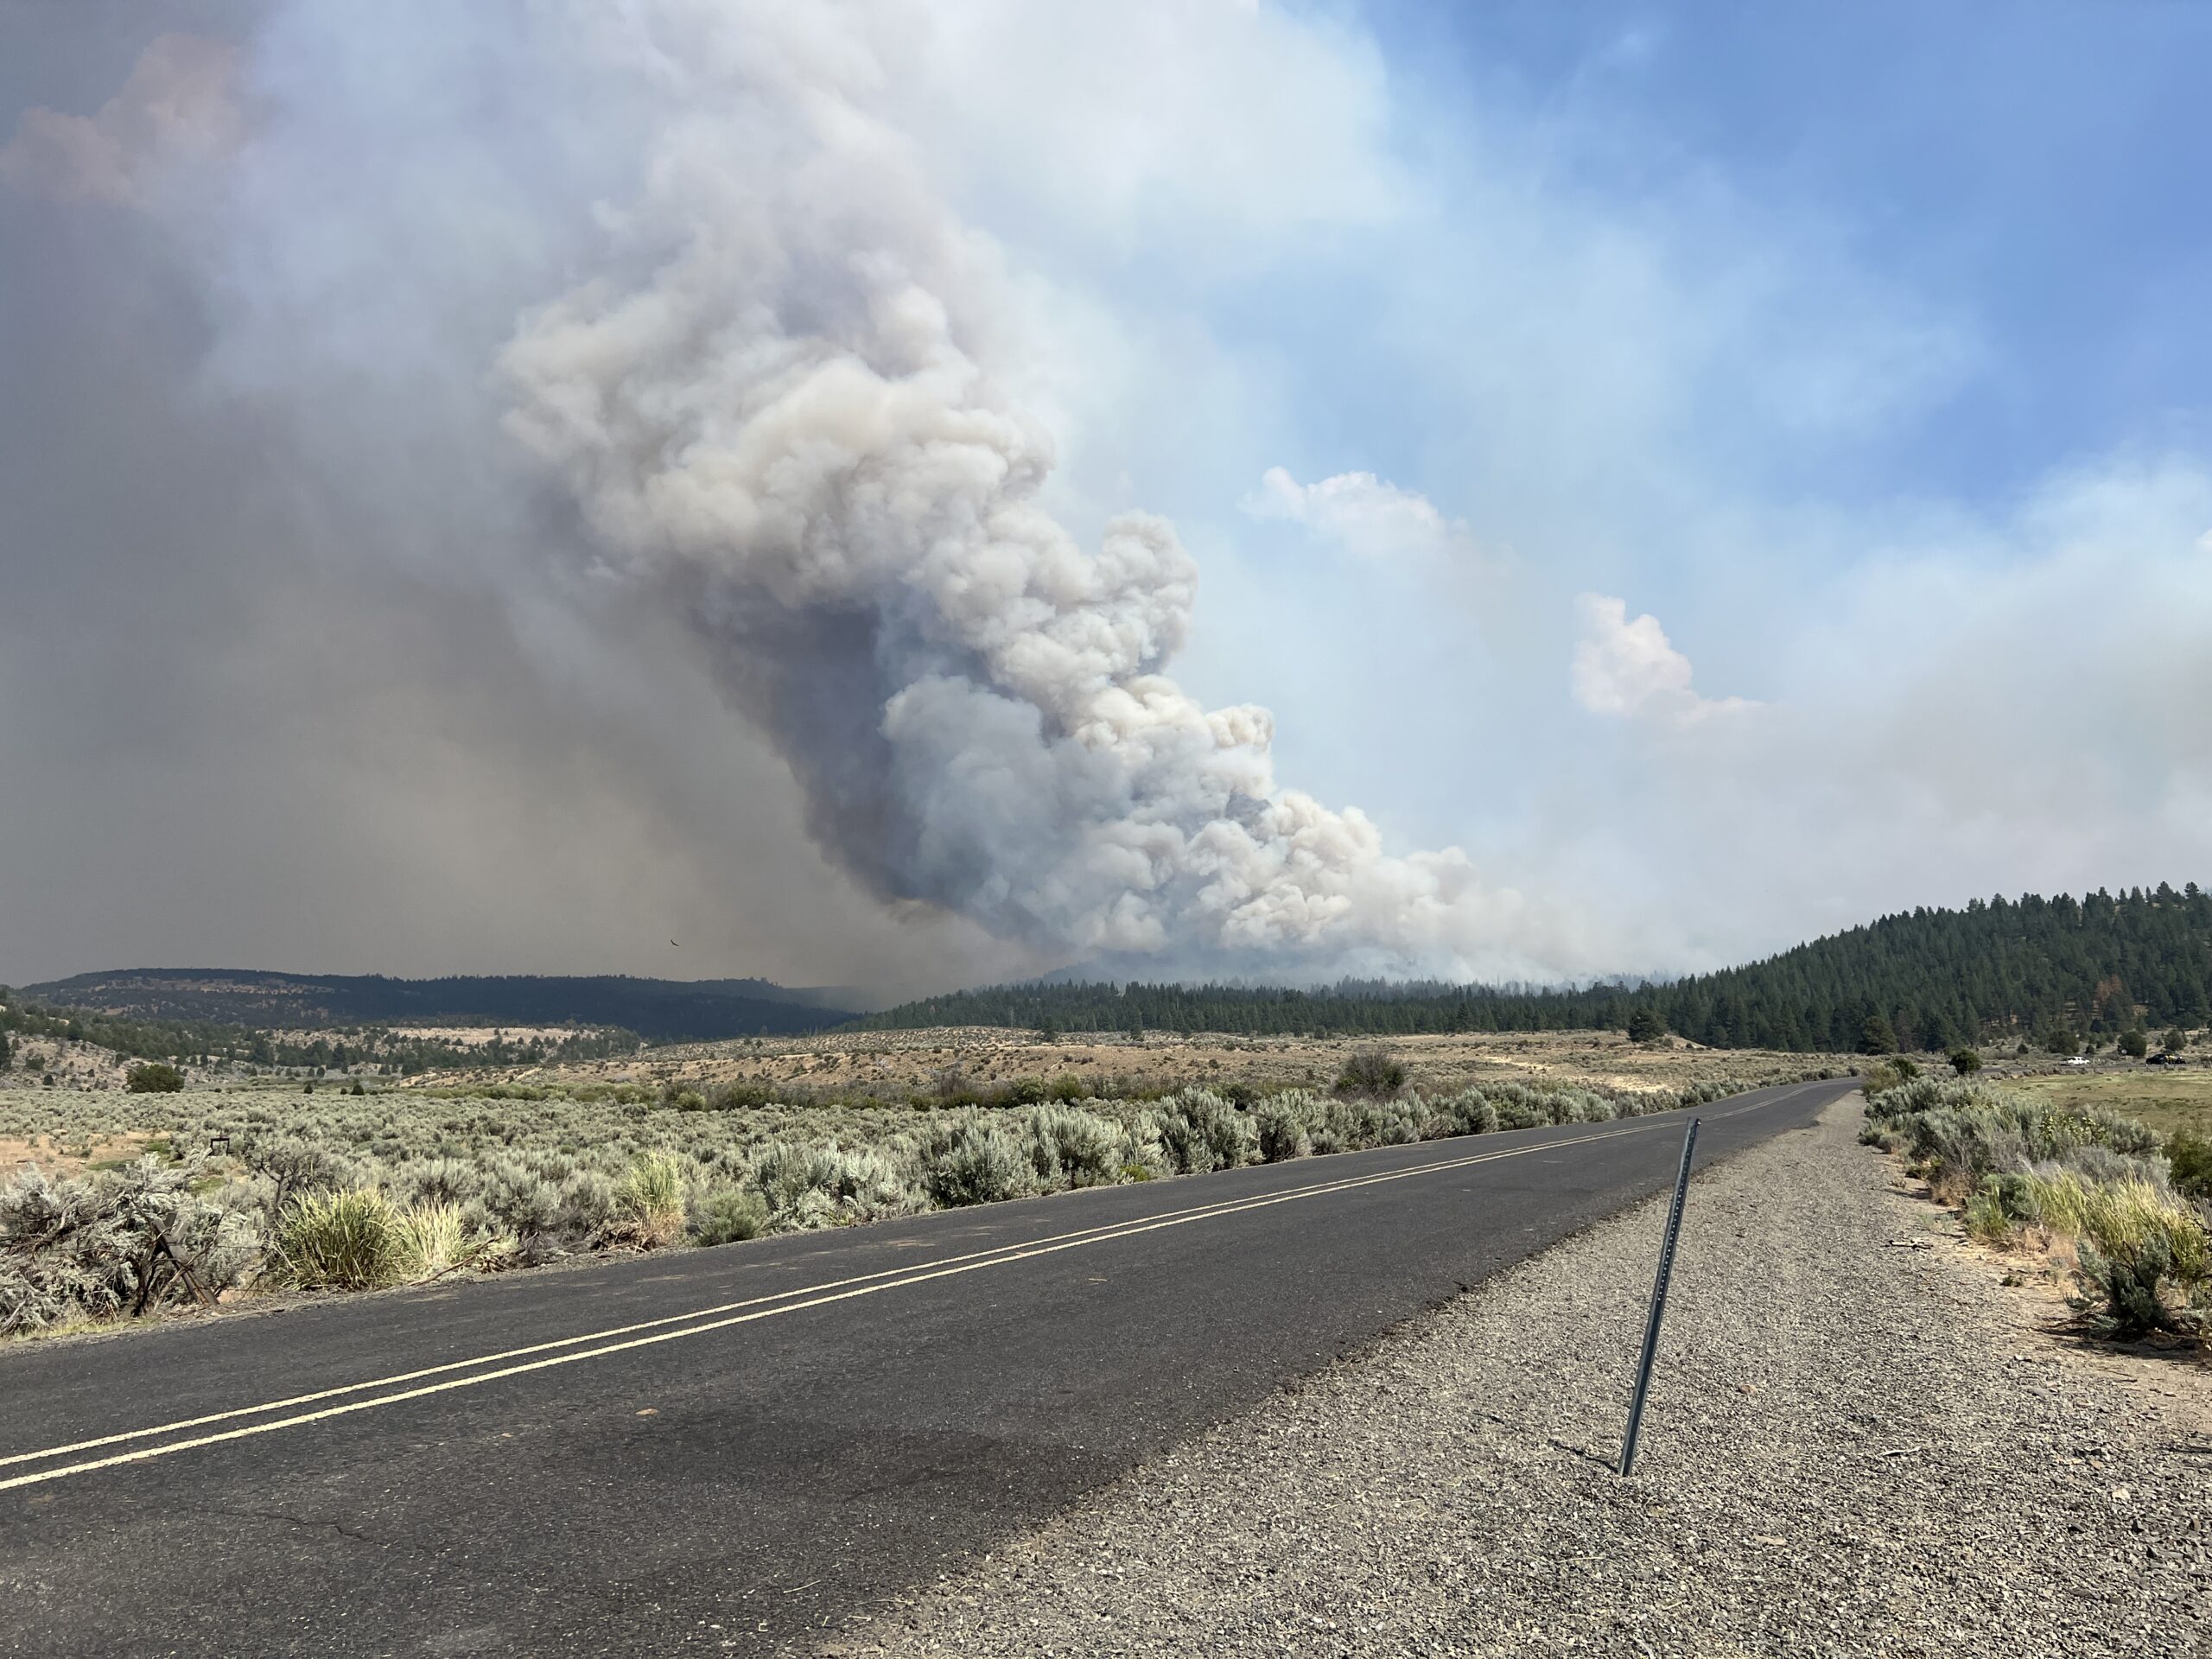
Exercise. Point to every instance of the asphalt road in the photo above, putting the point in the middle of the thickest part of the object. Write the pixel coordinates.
(728, 1450)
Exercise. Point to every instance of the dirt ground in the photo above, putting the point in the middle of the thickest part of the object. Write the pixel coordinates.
(899, 1061)
(61, 1154)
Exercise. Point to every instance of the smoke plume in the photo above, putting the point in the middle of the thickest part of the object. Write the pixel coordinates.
(780, 402)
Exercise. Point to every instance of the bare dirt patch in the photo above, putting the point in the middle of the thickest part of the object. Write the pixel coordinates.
(59, 1155)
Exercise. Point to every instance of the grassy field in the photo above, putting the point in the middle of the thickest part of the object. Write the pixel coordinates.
(2161, 1098)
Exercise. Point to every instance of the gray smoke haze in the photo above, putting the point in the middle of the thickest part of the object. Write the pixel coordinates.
(454, 396)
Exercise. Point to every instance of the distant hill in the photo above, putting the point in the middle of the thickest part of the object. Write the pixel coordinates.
(1938, 978)
(661, 1010)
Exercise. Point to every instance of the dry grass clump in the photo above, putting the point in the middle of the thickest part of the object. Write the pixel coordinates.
(340, 1241)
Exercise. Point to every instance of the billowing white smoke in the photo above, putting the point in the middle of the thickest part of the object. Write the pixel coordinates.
(781, 408)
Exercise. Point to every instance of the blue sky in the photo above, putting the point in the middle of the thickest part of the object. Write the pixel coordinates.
(1729, 471)
(2032, 169)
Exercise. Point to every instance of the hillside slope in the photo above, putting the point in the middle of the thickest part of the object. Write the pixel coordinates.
(661, 1010)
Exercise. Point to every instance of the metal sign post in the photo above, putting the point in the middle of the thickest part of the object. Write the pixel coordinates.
(1658, 1304)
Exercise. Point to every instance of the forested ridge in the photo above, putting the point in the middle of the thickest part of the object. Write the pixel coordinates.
(1938, 978)
(661, 1010)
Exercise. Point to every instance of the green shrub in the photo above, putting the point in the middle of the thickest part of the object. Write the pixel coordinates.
(1965, 1061)
(2128, 1292)
(155, 1077)
(1371, 1071)
(729, 1214)
(2003, 1202)
(1882, 1076)
(2189, 1157)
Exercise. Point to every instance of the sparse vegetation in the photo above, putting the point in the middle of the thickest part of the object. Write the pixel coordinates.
(336, 1190)
(2132, 1215)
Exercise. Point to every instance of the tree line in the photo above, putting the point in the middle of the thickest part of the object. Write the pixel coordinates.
(1934, 979)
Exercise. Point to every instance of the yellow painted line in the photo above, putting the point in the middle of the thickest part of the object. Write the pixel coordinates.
(546, 1347)
(945, 1267)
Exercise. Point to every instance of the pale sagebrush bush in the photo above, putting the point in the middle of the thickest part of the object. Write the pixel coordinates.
(440, 1181)
(971, 1161)
(1070, 1147)
(294, 1166)
(533, 1173)
(122, 1240)
(2145, 1260)
(1468, 1112)
(518, 1202)
(1520, 1107)
(1284, 1124)
(1961, 1132)
(805, 1187)
(1200, 1131)
(592, 1210)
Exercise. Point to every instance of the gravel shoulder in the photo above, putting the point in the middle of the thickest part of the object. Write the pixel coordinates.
(1854, 1445)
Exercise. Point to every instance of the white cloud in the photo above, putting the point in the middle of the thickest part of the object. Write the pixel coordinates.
(1366, 516)
(1630, 669)
(178, 107)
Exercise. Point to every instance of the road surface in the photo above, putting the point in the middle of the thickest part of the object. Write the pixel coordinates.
(725, 1451)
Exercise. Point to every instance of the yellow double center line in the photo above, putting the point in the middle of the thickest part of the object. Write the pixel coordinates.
(538, 1357)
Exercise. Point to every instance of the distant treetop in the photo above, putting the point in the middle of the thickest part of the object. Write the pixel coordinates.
(1927, 980)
